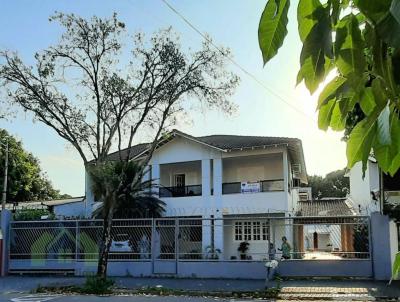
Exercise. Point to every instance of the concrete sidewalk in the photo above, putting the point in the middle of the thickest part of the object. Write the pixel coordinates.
(30, 283)
(13, 284)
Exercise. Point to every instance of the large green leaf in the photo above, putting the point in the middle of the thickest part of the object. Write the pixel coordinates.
(339, 114)
(330, 90)
(313, 73)
(325, 114)
(383, 129)
(305, 19)
(367, 101)
(373, 9)
(315, 32)
(349, 49)
(388, 27)
(388, 155)
(272, 28)
(360, 141)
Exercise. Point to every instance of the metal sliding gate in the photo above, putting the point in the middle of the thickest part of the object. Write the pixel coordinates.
(320, 246)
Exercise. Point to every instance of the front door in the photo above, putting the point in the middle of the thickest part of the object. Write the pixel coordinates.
(179, 184)
(315, 241)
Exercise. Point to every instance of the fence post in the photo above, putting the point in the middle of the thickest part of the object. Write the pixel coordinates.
(6, 217)
(176, 243)
(76, 240)
(380, 236)
(152, 244)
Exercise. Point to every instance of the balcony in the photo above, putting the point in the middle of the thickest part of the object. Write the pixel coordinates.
(182, 191)
(273, 185)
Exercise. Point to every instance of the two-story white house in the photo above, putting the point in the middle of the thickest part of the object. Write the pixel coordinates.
(243, 179)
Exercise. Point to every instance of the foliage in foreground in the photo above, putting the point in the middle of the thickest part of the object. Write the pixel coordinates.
(359, 41)
(26, 181)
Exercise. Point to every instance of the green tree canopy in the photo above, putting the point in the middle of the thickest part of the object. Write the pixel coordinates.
(358, 42)
(334, 184)
(26, 180)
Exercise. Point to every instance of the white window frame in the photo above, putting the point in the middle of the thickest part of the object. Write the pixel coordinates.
(251, 230)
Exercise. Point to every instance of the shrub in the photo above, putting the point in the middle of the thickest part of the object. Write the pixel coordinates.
(32, 214)
(97, 285)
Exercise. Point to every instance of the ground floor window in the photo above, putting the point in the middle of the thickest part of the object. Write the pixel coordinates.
(251, 231)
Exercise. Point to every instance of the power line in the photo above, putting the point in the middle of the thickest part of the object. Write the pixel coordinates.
(248, 73)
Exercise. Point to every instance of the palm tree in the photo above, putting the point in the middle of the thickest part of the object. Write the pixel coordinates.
(120, 187)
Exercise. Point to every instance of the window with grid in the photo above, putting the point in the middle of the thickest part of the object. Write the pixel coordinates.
(238, 231)
(251, 231)
(247, 230)
(256, 230)
(265, 230)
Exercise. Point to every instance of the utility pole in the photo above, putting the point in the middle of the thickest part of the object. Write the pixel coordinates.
(4, 196)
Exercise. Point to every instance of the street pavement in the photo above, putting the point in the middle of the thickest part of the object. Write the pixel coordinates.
(78, 298)
(18, 289)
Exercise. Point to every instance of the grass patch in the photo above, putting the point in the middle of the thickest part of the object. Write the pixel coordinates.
(93, 286)
(106, 288)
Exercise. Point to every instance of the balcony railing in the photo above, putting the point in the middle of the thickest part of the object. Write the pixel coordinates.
(180, 191)
(265, 186)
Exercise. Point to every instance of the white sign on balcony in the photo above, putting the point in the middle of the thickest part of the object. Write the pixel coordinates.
(250, 187)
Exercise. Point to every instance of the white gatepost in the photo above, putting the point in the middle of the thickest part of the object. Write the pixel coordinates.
(218, 222)
(206, 194)
(206, 179)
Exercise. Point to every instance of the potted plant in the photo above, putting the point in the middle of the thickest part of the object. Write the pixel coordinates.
(243, 248)
(212, 252)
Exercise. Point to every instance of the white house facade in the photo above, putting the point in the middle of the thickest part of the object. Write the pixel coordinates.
(245, 179)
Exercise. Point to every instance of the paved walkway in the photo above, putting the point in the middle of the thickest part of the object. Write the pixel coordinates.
(342, 290)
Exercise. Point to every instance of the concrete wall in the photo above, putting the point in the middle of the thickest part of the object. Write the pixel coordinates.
(394, 241)
(381, 250)
(325, 268)
(253, 168)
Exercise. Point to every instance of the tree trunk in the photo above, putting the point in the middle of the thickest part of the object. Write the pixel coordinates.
(105, 245)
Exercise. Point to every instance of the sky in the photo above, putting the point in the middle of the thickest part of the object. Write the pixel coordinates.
(271, 105)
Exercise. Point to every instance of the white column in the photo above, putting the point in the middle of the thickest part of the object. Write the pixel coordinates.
(218, 223)
(206, 234)
(217, 177)
(155, 177)
(147, 175)
(285, 171)
(205, 178)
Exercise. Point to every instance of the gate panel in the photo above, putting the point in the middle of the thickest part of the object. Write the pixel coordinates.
(165, 247)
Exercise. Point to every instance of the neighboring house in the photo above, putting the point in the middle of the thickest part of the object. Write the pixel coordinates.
(245, 179)
(62, 208)
(328, 240)
(365, 192)
(366, 196)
